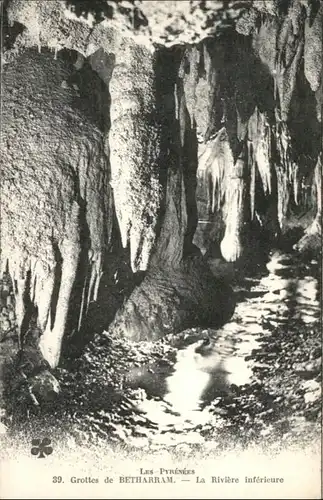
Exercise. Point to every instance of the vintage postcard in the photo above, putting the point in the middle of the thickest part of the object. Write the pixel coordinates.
(161, 251)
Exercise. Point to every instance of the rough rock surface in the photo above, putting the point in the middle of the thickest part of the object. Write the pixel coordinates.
(166, 23)
(135, 150)
(169, 299)
(55, 196)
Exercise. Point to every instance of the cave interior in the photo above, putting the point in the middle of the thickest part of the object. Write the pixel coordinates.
(138, 176)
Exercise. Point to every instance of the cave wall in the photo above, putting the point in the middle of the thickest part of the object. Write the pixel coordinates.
(268, 101)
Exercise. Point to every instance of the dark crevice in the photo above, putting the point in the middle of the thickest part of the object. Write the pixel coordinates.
(57, 283)
(29, 309)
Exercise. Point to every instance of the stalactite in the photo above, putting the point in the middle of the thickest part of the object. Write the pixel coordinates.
(170, 245)
(152, 173)
(232, 245)
(189, 72)
(175, 291)
(44, 288)
(83, 306)
(264, 42)
(288, 171)
(279, 43)
(175, 224)
(312, 239)
(203, 91)
(54, 188)
(259, 134)
(215, 163)
(252, 168)
(285, 169)
(313, 53)
(283, 195)
(51, 340)
(134, 143)
(295, 182)
(318, 182)
(290, 45)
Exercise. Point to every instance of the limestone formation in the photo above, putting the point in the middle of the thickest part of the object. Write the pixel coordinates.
(123, 116)
(55, 196)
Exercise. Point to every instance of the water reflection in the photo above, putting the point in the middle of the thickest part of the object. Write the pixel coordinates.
(206, 368)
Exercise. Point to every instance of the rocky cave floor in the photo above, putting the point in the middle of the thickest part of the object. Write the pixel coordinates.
(256, 380)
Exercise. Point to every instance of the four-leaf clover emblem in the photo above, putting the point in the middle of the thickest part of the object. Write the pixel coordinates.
(41, 447)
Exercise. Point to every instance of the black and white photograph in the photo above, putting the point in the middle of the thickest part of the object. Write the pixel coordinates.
(161, 249)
